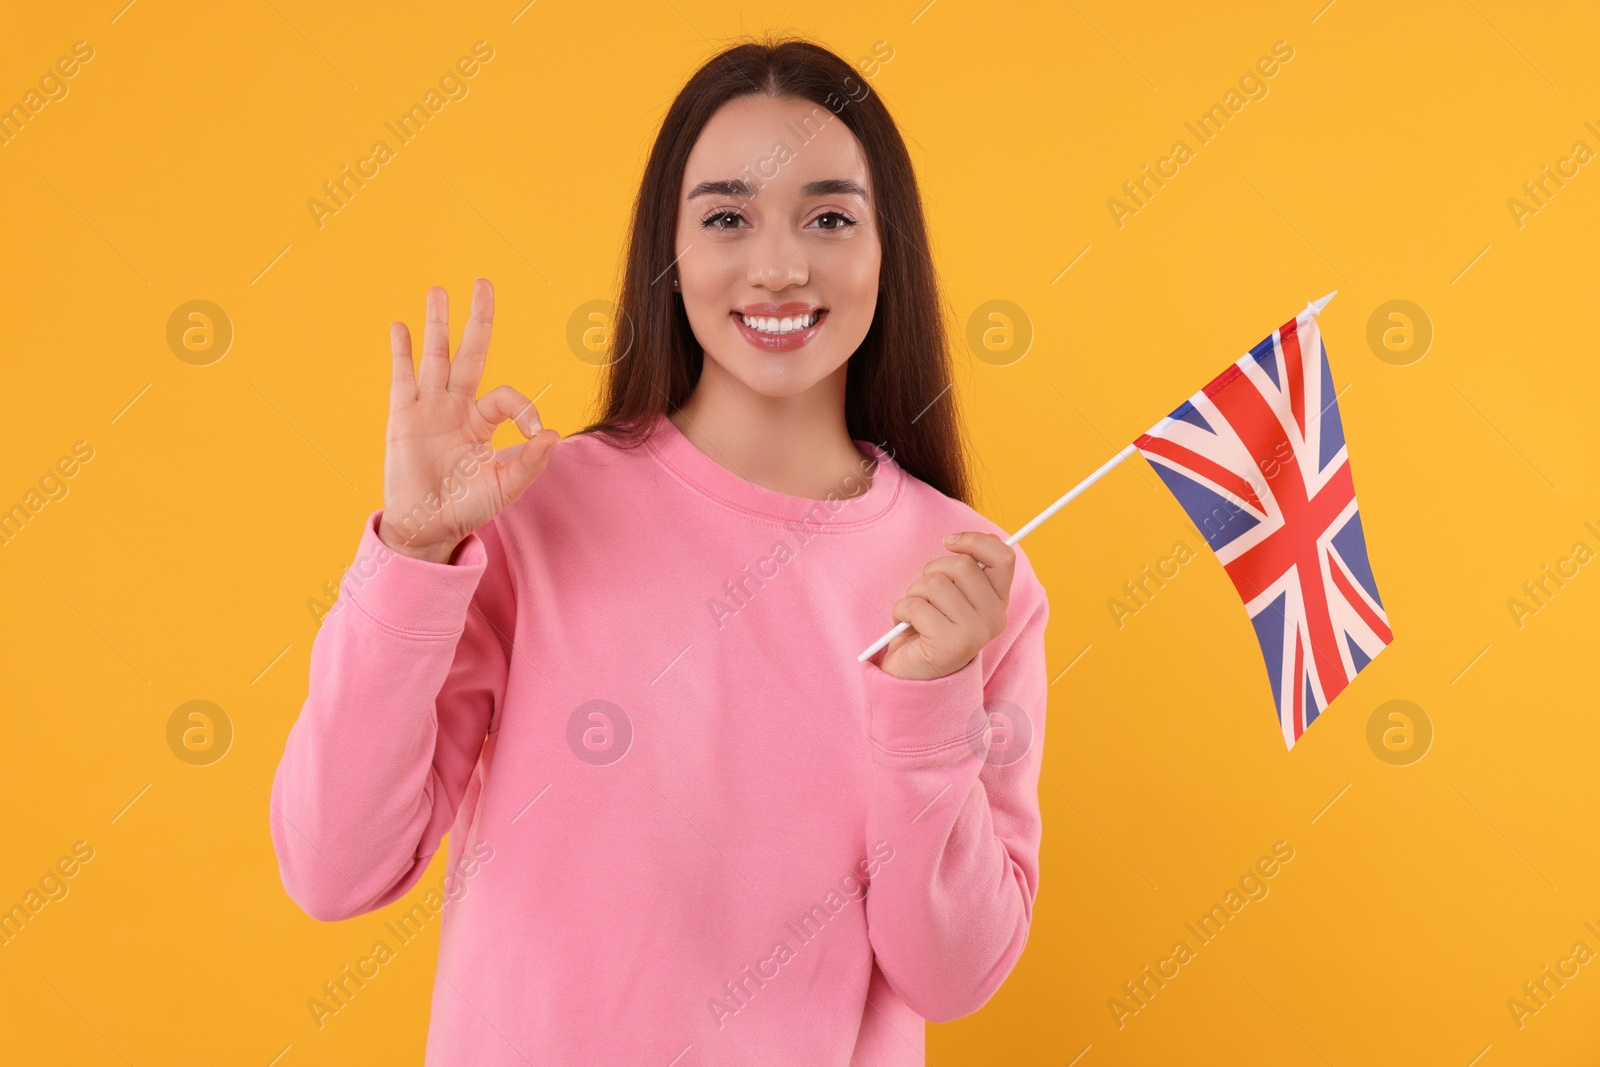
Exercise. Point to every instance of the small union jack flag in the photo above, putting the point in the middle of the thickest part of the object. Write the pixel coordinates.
(1257, 458)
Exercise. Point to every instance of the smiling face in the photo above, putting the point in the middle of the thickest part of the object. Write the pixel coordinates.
(777, 244)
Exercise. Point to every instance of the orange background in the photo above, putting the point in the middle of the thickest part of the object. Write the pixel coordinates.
(220, 498)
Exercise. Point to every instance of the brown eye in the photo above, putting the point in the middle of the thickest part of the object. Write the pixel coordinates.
(843, 220)
(713, 222)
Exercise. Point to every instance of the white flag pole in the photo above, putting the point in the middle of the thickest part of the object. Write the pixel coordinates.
(1020, 534)
(1313, 307)
(1316, 306)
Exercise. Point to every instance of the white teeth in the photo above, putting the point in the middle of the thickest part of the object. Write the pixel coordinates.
(780, 326)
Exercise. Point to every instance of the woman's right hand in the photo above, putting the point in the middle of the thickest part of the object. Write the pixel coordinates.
(440, 478)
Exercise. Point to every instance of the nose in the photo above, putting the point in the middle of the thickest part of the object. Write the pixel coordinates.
(777, 260)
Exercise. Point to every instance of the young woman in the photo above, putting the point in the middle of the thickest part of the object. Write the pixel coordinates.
(687, 825)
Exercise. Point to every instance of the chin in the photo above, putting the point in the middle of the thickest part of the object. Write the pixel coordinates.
(777, 382)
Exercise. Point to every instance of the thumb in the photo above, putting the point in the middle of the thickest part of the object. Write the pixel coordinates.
(529, 462)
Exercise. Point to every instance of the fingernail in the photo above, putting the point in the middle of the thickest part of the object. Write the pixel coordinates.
(950, 539)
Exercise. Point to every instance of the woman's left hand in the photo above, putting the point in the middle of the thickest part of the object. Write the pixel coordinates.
(954, 609)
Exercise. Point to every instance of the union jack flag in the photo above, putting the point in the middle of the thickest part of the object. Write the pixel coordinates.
(1257, 458)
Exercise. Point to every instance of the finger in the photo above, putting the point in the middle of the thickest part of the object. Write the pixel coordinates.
(924, 618)
(466, 370)
(530, 461)
(998, 558)
(973, 581)
(434, 372)
(943, 593)
(402, 379)
(502, 403)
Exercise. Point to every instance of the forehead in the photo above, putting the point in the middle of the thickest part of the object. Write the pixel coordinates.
(777, 144)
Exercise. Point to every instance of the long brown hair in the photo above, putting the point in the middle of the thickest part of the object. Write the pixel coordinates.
(898, 385)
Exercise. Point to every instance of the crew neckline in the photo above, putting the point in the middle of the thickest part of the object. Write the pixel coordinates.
(668, 445)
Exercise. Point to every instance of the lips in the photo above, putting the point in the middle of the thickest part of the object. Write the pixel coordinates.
(779, 327)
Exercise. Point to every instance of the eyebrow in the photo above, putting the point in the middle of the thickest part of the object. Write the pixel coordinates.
(741, 188)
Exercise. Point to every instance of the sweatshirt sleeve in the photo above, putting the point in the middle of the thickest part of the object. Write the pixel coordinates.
(406, 675)
(948, 913)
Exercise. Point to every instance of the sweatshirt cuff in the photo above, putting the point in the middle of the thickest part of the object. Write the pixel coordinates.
(915, 717)
(410, 595)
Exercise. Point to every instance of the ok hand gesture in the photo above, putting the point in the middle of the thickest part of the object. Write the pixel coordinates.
(440, 479)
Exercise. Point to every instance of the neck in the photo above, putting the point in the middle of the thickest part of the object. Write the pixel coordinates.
(796, 445)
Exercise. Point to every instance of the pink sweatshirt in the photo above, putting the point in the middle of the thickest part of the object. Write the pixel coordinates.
(686, 826)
